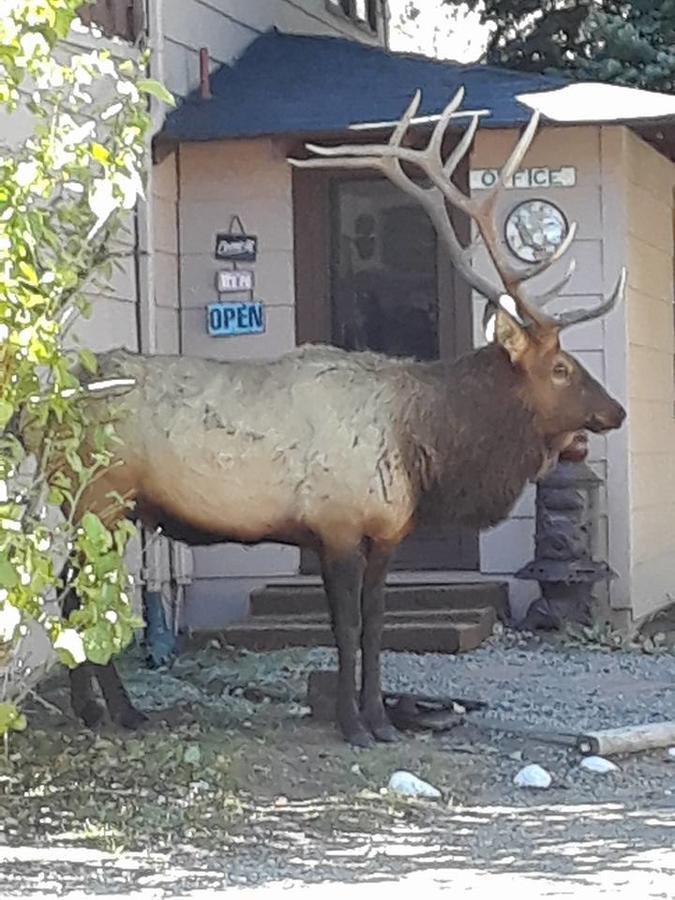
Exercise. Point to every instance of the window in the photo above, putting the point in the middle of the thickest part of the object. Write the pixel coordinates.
(361, 12)
(115, 18)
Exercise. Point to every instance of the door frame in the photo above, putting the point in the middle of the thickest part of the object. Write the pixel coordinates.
(312, 270)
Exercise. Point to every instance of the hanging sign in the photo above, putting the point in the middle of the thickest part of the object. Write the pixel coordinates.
(536, 177)
(230, 281)
(236, 247)
(232, 318)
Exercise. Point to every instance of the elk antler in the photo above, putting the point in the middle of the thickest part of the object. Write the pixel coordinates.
(388, 158)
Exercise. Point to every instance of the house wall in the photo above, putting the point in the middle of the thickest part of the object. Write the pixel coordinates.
(228, 26)
(195, 192)
(599, 345)
(253, 180)
(648, 184)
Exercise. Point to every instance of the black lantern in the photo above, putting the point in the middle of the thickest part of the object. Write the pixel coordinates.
(566, 542)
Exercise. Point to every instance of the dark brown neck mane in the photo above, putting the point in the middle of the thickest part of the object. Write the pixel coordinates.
(477, 445)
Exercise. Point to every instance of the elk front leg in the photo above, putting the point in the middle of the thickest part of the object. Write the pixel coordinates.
(373, 713)
(343, 579)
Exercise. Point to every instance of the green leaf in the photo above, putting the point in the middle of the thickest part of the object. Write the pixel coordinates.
(74, 461)
(88, 361)
(62, 21)
(8, 576)
(6, 412)
(11, 719)
(157, 90)
(55, 496)
(19, 722)
(99, 153)
(95, 530)
(28, 273)
(65, 657)
(98, 644)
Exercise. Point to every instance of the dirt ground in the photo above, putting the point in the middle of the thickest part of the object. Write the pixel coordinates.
(243, 792)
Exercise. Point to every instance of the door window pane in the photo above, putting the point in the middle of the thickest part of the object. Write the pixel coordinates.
(383, 271)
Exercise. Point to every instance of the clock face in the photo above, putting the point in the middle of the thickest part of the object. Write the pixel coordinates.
(535, 229)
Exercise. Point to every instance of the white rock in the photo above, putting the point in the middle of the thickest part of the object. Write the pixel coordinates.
(410, 785)
(298, 710)
(671, 753)
(598, 764)
(533, 776)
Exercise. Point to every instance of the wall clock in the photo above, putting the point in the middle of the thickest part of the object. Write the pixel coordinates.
(534, 229)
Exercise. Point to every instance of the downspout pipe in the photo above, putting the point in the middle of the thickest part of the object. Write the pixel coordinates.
(159, 637)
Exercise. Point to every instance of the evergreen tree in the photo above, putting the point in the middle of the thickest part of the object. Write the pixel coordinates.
(630, 43)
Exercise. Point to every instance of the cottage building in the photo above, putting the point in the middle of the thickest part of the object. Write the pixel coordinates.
(346, 258)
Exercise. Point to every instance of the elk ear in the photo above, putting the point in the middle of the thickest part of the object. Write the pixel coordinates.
(512, 337)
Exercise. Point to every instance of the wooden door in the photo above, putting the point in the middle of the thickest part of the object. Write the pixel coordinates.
(370, 274)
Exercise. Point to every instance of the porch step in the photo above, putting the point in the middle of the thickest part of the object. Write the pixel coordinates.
(298, 599)
(413, 632)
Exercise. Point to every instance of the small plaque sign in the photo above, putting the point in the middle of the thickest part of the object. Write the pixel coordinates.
(230, 281)
(536, 177)
(231, 319)
(236, 247)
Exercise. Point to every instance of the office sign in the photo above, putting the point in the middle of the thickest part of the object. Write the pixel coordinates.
(536, 177)
(232, 318)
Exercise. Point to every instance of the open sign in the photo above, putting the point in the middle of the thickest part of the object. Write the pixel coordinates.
(230, 319)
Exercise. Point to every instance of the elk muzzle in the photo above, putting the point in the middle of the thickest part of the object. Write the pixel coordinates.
(607, 419)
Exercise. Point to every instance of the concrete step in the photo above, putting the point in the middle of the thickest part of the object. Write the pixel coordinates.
(296, 599)
(430, 632)
(484, 614)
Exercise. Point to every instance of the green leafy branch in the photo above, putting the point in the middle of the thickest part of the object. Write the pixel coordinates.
(66, 190)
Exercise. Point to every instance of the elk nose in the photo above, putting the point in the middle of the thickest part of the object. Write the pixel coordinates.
(611, 418)
(620, 414)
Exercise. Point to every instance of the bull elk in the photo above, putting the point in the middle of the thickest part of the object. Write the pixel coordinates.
(345, 452)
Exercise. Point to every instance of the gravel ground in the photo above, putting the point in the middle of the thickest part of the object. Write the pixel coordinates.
(232, 789)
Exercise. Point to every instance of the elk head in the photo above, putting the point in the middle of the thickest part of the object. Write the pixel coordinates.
(563, 395)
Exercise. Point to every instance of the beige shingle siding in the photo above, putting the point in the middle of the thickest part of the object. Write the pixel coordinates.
(649, 185)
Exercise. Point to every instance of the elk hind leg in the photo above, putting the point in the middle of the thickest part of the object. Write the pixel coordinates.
(373, 712)
(343, 579)
(82, 693)
(121, 709)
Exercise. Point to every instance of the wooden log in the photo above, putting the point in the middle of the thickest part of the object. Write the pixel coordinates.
(524, 729)
(629, 739)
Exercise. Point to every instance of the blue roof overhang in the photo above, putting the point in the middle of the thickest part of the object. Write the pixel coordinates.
(305, 85)
(296, 85)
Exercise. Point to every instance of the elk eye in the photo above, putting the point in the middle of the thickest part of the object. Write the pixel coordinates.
(560, 371)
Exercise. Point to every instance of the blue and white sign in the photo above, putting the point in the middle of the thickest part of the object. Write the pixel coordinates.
(230, 319)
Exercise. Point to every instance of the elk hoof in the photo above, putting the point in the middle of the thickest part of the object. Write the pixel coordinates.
(91, 714)
(386, 733)
(129, 718)
(357, 736)
(377, 722)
